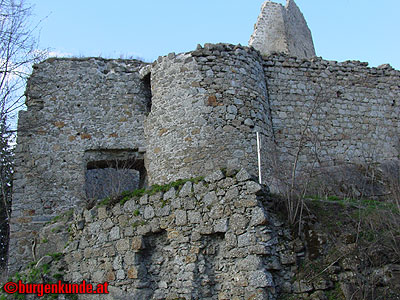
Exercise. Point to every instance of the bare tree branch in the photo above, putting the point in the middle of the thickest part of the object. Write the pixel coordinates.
(18, 52)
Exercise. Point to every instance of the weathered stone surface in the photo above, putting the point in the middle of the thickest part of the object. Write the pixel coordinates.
(282, 29)
(210, 198)
(148, 212)
(180, 217)
(288, 257)
(274, 264)
(259, 216)
(169, 194)
(98, 276)
(192, 114)
(186, 190)
(79, 111)
(302, 287)
(238, 223)
(233, 166)
(132, 273)
(285, 111)
(212, 121)
(114, 233)
(261, 279)
(122, 245)
(130, 206)
(102, 213)
(221, 225)
(207, 244)
(232, 193)
(250, 263)
(253, 187)
(243, 175)
(215, 176)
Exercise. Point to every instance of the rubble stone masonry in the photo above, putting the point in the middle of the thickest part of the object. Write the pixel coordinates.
(92, 122)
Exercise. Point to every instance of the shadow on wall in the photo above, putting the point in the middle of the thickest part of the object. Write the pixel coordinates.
(147, 83)
(150, 262)
(208, 267)
(156, 262)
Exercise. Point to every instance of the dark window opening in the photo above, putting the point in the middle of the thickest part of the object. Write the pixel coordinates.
(147, 84)
(111, 172)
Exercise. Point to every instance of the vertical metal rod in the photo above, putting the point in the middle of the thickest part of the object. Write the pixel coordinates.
(259, 157)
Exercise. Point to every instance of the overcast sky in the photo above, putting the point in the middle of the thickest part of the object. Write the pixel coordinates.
(363, 30)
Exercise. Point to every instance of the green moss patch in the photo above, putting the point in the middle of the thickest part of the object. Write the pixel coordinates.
(154, 189)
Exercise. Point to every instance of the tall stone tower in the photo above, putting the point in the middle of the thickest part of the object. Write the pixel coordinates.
(282, 29)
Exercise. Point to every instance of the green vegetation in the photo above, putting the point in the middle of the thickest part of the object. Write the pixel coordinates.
(57, 229)
(364, 233)
(224, 171)
(58, 276)
(309, 269)
(55, 219)
(139, 223)
(67, 215)
(56, 256)
(358, 203)
(287, 297)
(105, 202)
(33, 274)
(154, 189)
(336, 293)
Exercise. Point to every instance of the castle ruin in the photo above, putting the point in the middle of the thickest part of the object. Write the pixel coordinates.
(90, 120)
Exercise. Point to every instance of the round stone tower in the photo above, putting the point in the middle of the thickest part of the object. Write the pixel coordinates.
(207, 106)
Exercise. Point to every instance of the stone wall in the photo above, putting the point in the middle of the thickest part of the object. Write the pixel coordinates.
(214, 238)
(340, 112)
(210, 239)
(207, 106)
(184, 116)
(79, 111)
(282, 30)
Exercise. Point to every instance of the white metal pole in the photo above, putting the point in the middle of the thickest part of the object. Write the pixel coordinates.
(259, 157)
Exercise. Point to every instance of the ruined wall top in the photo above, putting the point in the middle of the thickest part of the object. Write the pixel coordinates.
(282, 29)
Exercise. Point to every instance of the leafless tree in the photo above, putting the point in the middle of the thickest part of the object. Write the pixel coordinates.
(293, 175)
(18, 51)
